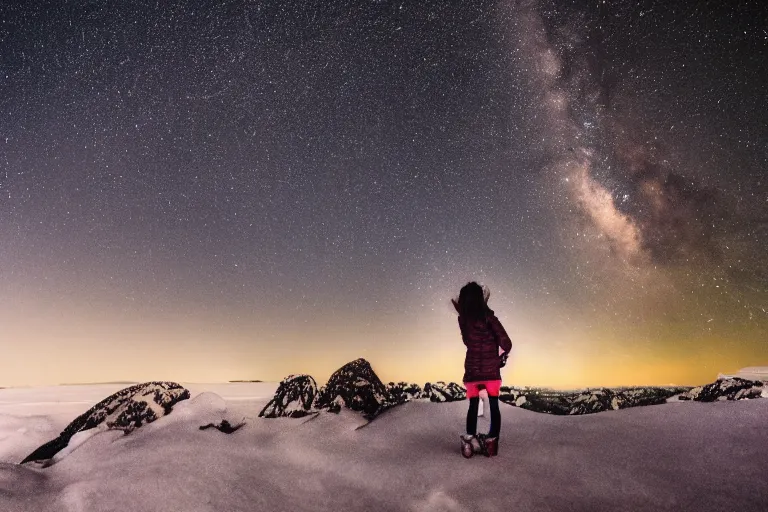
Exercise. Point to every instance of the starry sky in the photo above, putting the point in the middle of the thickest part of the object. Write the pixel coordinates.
(245, 189)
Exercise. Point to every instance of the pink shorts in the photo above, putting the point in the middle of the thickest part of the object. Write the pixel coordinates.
(492, 386)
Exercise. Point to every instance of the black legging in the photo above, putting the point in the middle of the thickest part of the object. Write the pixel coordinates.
(495, 416)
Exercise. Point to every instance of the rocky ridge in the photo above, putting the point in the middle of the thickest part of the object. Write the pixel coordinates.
(354, 386)
(729, 388)
(357, 387)
(442, 392)
(294, 398)
(587, 401)
(402, 392)
(126, 410)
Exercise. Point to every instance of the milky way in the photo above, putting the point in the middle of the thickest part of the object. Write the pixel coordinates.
(627, 184)
(245, 189)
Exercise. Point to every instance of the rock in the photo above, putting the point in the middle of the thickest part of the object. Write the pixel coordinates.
(294, 398)
(403, 392)
(690, 394)
(355, 386)
(534, 400)
(125, 410)
(224, 426)
(638, 397)
(510, 395)
(441, 392)
(336, 405)
(587, 401)
(726, 389)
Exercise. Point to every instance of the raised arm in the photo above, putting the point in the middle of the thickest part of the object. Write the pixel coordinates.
(501, 335)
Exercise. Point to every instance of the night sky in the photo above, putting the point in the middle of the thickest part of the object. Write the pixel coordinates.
(207, 191)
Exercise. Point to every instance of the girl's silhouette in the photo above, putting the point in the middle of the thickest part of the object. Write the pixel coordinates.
(483, 335)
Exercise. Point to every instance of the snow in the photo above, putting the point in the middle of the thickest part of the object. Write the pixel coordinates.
(78, 439)
(690, 456)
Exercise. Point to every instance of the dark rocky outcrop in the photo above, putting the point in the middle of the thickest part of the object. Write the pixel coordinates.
(355, 386)
(224, 426)
(585, 402)
(536, 400)
(125, 410)
(294, 398)
(592, 401)
(638, 397)
(441, 392)
(727, 389)
(402, 392)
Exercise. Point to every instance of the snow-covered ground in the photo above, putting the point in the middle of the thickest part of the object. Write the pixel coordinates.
(689, 456)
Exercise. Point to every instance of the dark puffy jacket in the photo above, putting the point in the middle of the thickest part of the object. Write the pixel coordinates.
(483, 339)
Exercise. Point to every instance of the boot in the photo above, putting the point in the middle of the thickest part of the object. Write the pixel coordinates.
(491, 446)
(470, 445)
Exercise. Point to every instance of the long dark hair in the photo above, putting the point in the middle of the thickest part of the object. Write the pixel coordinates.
(472, 303)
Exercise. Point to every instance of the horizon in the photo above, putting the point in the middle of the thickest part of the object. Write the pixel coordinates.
(320, 381)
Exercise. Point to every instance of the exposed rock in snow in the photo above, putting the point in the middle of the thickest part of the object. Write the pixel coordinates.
(355, 386)
(403, 392)
(224, 426)
(336, 405)
(585, 402)
(726, 389)
(294, 398)
(441, 392)
(537, 401)
(125, 410)
(596, 400)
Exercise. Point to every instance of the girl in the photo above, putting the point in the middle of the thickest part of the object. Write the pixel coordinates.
(483, 335)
